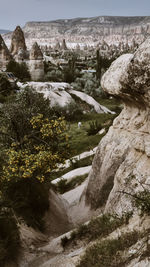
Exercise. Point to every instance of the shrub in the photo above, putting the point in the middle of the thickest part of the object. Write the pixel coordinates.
(20, 70)
(94, 128)
(9, 236)
(54, 76)
(29, 199)
(109, 252)
(142, 201)
(100, 227)
(71, 112)
(16, 114)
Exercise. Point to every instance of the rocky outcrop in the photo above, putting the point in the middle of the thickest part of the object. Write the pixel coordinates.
(122, 162)
(4, 54)
(36, 65)
(35, 52)
(64, 46)
(85, 30)
(62, 95)
(17, 41)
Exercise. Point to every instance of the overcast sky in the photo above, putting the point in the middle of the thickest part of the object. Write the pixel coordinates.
(18, 12)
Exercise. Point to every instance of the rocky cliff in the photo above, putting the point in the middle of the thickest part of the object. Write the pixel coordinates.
(112, 29)
(121, 166)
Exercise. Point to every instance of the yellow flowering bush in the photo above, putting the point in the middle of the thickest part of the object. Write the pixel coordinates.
(40, 152)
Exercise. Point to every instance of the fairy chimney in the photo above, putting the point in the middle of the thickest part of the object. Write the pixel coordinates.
(5, 55)
(36, 65)
(17, 41)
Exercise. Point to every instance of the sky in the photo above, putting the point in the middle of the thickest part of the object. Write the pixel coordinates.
(18, 12)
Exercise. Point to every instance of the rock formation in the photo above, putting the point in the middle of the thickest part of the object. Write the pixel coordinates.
(112, 29)
(5, 55)
(36, 65)
(17, 41)
(57, 46)
(122, 162)
(64, 46)
(35, 52)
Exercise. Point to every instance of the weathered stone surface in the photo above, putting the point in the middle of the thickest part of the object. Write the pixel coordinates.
(122, 160)
(64, 46)
(4, 53)
(35, 52)
(36, 65)
(17, 41)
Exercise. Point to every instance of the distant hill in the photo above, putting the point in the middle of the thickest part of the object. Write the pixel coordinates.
(4, 31)
(112, 29)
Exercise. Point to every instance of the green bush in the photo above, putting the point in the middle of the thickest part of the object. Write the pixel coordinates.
(142, 201)
(99, 227)
(9, 236)
(15, 115)
(94, 128)
(29, 198)
(20, 70)
(109, 252)
(71, 112)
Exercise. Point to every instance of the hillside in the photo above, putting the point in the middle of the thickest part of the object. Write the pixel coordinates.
(112, 29)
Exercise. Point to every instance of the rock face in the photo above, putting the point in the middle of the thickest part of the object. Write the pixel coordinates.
(17, 41)
(122, 161)
(36, 53)
(36, 65)
(112, 29)
(4, 53)
(64, 46)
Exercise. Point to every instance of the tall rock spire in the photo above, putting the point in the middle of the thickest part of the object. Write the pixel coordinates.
(35, 52)
(36, 65)
(17, 41)
(5, 55)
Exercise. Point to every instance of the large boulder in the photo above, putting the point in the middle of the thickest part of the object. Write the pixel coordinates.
(121, 166)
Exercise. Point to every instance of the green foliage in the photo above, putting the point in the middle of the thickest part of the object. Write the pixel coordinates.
(142, 201)
(71, 112)
(34, 143)
(99, 227)
(94, 128)
(9, 236)
(29, 199)
(54, 76)
(6, 88)
(16, 114)
(20, 70)
(109, 252)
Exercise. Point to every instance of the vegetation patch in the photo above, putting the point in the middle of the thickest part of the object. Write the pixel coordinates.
(109, 252)
(98, 227)
(9, 236)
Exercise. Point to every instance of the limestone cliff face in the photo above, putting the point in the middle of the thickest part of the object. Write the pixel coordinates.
(111, 28)
(17, 41)
(4, 53)
(122, 161)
